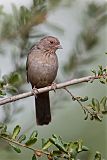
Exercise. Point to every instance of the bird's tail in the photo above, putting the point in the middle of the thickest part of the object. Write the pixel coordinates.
(43, 114)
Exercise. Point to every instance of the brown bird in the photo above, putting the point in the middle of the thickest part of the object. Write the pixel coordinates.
(42, 66)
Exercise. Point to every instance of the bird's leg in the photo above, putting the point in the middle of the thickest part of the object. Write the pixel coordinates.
(54, 86)
(35, 91)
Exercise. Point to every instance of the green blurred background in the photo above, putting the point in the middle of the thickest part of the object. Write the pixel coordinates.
(81, 27)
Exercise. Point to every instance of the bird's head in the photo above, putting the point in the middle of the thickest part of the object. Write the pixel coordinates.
(49, 43)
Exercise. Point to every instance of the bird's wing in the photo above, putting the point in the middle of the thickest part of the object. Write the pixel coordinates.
(27, 64)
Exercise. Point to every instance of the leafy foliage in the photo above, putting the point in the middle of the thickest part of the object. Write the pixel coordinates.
(53, 148)
(9, 83)
(95, 18)
(101, 73)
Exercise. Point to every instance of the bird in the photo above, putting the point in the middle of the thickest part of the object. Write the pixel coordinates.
(42, 67)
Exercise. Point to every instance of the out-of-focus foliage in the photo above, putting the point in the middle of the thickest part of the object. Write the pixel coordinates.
(95, 18)
(53, 148)
(9, 83)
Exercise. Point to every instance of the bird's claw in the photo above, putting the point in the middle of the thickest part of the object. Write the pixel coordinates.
(54, 86)
(35, 91)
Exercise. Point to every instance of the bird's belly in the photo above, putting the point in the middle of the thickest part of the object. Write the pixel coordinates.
(42, 74)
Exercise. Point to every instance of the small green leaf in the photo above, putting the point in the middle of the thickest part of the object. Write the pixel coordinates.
(32, 139)
(99, 117)
(56, 153)
(97, 156)
(73, 149)
(96, 104)
(100, 73)
(17, 149)
(100, 67)
(86, 116)
(103, 100)
(102, 80)
(16, 132)
(14, 78)
(80, 145)
(83, 99)
(34, 157)
(46, 145)
(58, 143)
(34, 134)
(94, 71)
(103, 105)
(84, 148)
(21, 138)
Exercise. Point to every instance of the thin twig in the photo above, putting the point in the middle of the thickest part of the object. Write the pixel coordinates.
(24, 145)
(48, 88)
(76, 98)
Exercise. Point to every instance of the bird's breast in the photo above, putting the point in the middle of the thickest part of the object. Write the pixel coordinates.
(42, 69)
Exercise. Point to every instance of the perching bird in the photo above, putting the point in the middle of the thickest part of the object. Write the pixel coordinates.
(42, 66)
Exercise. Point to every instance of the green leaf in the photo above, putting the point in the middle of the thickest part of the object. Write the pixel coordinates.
(80, 145)
(34, 134)
(94, 71)
(102, 80)
(96, 104)
(84, 148)
(99, 117)
(83, 99)
(100, 67)
(58, 143)
(14, 78)
(86, 116)
(32, 139)
(46, 145)
(17, 149)
(16, 132)
(56, 153)
(73, 149)
(24, 15)
(34, 157)
(21, 138)
(103, 104)
(100, 73)
(97, 156)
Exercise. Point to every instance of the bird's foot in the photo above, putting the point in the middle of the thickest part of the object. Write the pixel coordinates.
(54, 86)
(35, 91)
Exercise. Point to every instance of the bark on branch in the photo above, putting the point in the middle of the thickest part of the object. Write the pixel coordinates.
(48, 88)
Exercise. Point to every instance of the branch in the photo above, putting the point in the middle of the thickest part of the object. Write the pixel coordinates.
(36, 151)
(49, 88)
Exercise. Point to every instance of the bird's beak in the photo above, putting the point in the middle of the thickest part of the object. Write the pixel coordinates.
(59, 47)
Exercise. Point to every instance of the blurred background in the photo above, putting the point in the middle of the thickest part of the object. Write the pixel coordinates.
(81, 27)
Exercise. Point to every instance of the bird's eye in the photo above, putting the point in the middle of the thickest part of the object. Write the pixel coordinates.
(51, 42)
